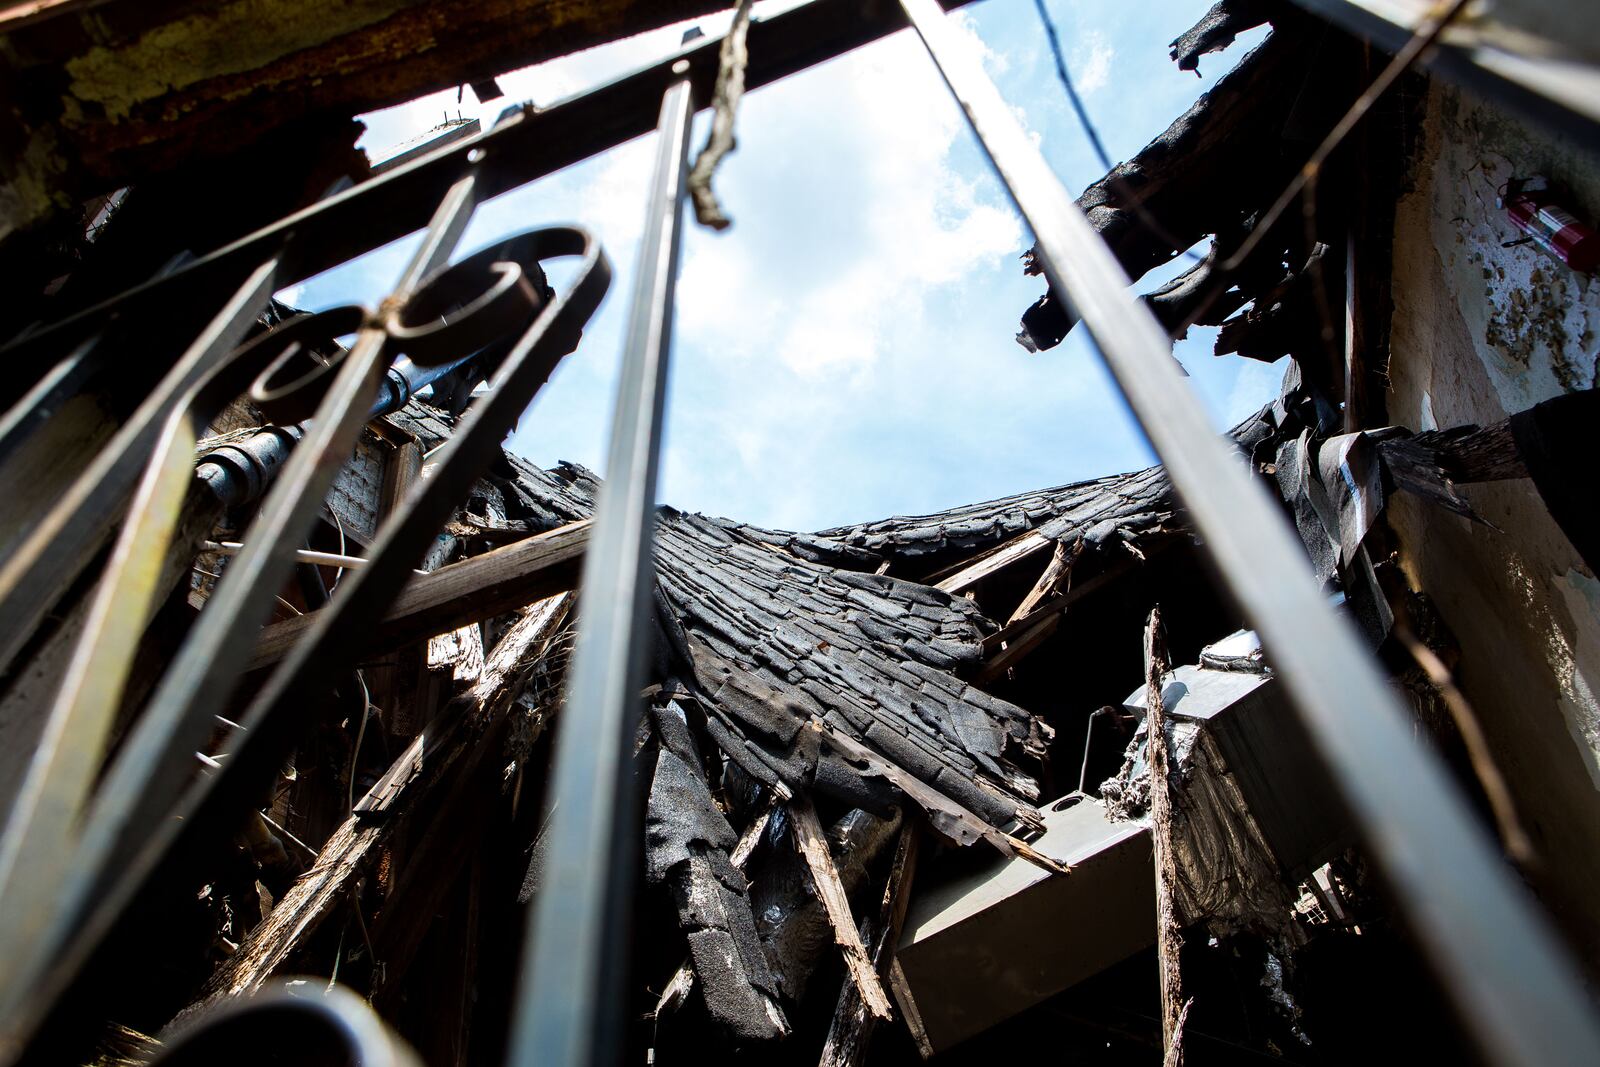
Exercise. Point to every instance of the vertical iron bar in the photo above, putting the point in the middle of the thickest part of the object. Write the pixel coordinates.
(572, 961)
(1511, 980)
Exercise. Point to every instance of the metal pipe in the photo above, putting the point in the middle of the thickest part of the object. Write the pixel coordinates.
(1510, 979)
(576, 949)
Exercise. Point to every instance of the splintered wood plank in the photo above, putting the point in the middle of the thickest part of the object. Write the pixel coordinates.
(996, 559)
(1013, 631)
(419, 770)
(1169, 938)
(813, 846)
(1054, 574)
(460, 652)
(850, 1034)
(451, 597)
(908, 1010)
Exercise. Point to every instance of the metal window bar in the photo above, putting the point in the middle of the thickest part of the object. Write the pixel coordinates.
(1508, 976)
(576, 942)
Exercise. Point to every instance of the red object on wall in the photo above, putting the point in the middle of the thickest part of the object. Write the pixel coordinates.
(1533, 209)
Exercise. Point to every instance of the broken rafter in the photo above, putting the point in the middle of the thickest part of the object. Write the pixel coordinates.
(1057, 571)
(948, 817)
(418, 771)
(993, 561)
(1035, 633)
(1007, 647)
(850, 1034)
(462, 593)
(813, 846)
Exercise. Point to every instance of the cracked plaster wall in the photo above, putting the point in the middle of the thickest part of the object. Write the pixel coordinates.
(1481, 331)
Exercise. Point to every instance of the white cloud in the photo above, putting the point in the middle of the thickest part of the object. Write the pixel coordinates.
(1091, 62)
(916, 225)
(845, 350)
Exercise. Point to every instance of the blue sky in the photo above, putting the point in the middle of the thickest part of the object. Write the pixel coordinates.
(845, 351)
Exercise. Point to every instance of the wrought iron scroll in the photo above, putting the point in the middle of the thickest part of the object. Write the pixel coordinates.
(73, 864)
(1511, 981)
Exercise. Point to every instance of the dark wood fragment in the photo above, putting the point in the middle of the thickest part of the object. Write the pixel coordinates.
(1217, 29)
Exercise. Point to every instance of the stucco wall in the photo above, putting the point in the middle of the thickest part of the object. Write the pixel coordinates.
(1481, 331)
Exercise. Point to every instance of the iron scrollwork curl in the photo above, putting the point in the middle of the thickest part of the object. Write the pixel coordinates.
(150, 812)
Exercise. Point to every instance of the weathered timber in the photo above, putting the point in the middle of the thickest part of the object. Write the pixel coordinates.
(796, 929)
(850, 1033)
(1015, 631)
(1055, 572)
(813, 846)
(948, 817)
(418, 772)
(1037, 633)
(153, 88)
(1169, 939)
(462, 593)
(994, 561)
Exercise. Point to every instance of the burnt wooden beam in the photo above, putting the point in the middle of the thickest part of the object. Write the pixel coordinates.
(1217, 29)
(1215, 163)
(127, 90)
(462, 593)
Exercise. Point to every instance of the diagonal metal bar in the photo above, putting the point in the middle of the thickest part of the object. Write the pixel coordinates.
(1510, 979)
(572, 962)
(149, 772)
(93, 959)
(66, 539)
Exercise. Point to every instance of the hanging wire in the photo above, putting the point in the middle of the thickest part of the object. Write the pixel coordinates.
(1066, 83)
(1125, 196)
